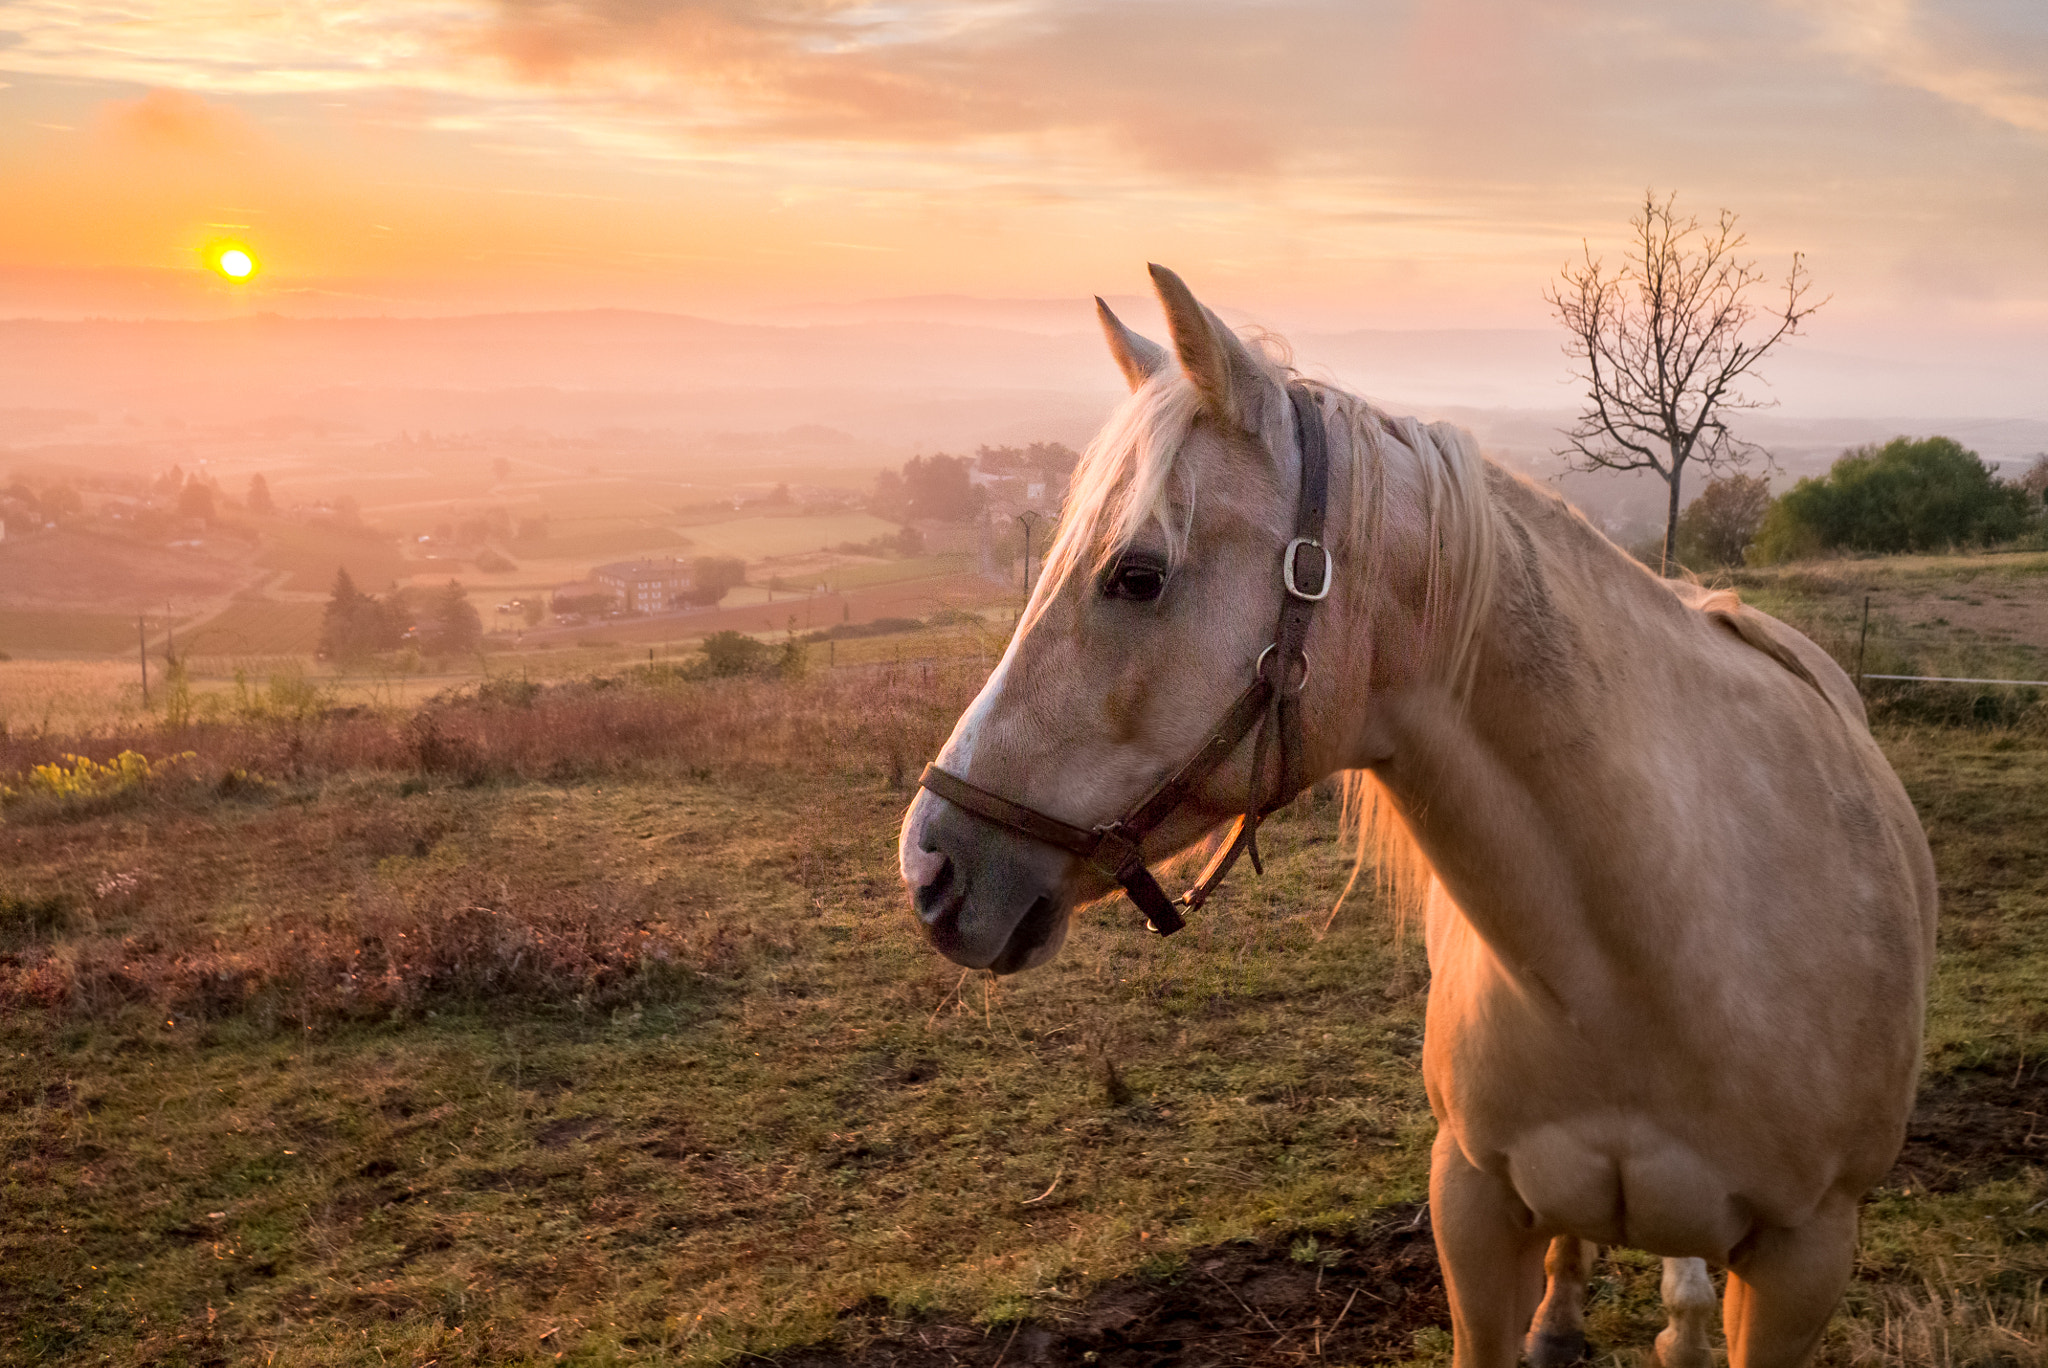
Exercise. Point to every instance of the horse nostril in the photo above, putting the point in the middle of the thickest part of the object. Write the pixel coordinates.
(937, 897)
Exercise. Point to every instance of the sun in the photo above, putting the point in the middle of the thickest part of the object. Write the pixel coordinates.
(232, 260)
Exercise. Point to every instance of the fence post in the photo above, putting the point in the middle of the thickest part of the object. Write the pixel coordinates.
(1862, 637)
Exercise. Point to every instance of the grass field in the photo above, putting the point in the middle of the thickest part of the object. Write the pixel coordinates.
(68, 697)
(870, 573)
(605, 539)
(254, 627)
(309, 555)
(29, 629)
(97, 697)
(753, 538)
(1974, 616)
(592, 1024)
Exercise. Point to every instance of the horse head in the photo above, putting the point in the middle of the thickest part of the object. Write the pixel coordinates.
(1156, 606)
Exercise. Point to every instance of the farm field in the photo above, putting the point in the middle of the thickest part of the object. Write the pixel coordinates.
(85, 572)
(69, 697)
(309, 555)
(56, 632)
(865, 575)
(759, 537)
(592, 1023)
(603, 539)
(258, 627)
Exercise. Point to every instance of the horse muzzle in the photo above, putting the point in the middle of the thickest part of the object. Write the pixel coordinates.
(986, 898)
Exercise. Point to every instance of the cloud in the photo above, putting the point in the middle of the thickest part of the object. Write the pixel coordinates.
(172, 120)
(1331, 91)
(1464, 142)
(1996, 66)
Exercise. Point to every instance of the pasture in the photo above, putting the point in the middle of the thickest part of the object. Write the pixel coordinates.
(306, 555)
(602, 539)
(68, 697)
(250, 627)
(755, 537)
(588, 1024)
(65, 633)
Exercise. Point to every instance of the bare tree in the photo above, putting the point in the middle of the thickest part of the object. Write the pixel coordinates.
(1663, 343)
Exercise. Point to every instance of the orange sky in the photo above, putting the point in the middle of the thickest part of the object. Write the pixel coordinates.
(1334, 164)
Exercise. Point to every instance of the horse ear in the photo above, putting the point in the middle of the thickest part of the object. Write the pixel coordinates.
(1138, 358)
(1220, 366)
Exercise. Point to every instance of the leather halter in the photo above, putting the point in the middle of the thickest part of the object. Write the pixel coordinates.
(1306, 572)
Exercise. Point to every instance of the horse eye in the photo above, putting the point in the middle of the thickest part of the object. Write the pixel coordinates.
(1137, 578)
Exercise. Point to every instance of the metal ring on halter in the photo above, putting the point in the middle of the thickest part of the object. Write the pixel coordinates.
(1260, 668)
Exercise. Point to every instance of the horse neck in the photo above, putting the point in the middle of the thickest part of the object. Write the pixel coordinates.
(1509, 788)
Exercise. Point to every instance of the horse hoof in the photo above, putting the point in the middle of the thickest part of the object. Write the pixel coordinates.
(1673, 1354)
(1551, 1349)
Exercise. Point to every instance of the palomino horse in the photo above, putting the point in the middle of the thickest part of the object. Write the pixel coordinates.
(1680, 914)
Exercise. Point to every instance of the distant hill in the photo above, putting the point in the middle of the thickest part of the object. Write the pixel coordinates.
(893, 376)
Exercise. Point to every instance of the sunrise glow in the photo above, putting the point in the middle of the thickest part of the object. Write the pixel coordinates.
(235, 264)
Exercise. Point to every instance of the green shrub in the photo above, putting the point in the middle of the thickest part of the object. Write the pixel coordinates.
(733, 653)
(1928, 495)
(713, 577)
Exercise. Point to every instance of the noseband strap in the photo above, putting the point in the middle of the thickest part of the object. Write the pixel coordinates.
(1267, 705)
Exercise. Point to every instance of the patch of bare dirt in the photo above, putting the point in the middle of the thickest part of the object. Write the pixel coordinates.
(1975, 1127)
(1355, 1299)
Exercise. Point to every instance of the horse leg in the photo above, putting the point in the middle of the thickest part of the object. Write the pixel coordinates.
(1558, 1338)
(1689, 1304)
(1492, 1261)
(1784, 1284)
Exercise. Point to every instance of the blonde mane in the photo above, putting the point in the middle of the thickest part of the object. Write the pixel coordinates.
(1130, 478)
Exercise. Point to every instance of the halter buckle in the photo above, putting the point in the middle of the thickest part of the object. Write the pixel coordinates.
(1293, 583)
(1116, 853)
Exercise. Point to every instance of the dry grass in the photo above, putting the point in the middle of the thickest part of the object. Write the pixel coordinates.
(588, 1021)
(451, 935)
(639, 1058)
(507, 728)
(68, 697)
(1945, 1324)
(1971, 617)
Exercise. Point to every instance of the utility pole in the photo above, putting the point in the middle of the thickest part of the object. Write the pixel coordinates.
(1026, 518)
(142, 654)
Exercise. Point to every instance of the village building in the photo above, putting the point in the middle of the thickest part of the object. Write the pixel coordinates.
(646, 586)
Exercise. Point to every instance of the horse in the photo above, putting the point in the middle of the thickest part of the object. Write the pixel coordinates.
(1679, 912)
